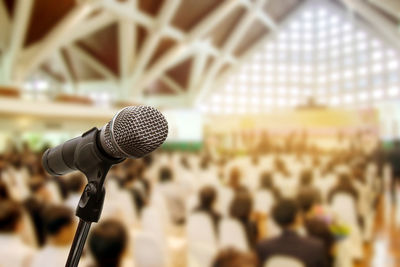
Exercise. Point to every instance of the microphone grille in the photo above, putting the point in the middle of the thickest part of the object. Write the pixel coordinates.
(135, 131)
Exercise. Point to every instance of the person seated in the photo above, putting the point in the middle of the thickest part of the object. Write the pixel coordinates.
(266, 183)
(14, 252)
(234, 258)
(315, 225)
(240, 209)
(60, 228)
(173, 194)
(309, 251)
(107, 244)
(344, 185)
(306, 185)
(207, 199)
(235, 182)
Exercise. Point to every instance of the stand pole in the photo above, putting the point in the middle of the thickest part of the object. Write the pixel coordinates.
(78, 243)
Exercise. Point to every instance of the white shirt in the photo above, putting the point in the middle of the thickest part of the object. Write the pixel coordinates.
(51, 256)
(14, 252)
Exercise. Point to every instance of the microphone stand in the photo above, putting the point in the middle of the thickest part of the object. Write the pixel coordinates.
(93, 162)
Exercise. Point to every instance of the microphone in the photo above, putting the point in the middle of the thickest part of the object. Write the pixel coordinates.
(132, 133)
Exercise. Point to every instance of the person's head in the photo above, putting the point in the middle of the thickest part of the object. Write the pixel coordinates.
(234, 258)
(266, 180)
(241, 206)
(344, 180)
(107, 243)
(76, 183)
(306, 201)
(207, 197)
(306, 177)
(205, 162)
(285, 213)
(234, 178)
(10, 216)
(165, 175)
(59, 224)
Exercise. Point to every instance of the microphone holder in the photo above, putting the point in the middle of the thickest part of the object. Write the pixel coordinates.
(95, 164)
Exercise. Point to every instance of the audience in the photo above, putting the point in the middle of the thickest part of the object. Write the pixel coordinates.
(60, 228)
(14, 252)
(309, 251)
(172, 177)
(107, 243)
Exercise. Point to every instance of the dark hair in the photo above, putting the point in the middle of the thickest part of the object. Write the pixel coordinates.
(234, 258)
(284, 213)
(75, 183)
(165, 174)
(147, 160)
(10, 214)
(56, 218)
(306, 200)
(207, 197)
(3, 191)
(306, 177)
(107, 242)
(241, 205)
(266, 180)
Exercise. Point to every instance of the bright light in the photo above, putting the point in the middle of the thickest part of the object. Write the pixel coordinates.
(377, 55)
(283, 36)
(321, 12)
(334, 76)
(41, 85)
(294, 91)
(334, 20)
(255, 100)
(362, 71)
(377, 67)
(363, 96)
(348, 49)
(378, 93)
(322, 79)
(348, 99)
(204, 108)
(347, 27)
(229, 99)
(282, 101)
(393, 64)
(229, 88)
(361, 35)
(307, 15)
(216, 98)
(295, 25)
(393, 91)
(362, 46)
(335, 101)
(348, 74)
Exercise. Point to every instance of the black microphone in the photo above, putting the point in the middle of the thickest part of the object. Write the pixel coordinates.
(132, 133)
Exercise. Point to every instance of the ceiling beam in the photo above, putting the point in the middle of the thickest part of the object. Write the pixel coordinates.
(17, 37)
(228, 48)
(127, 42)
(179, 52)
(92, 62)
(60, 59)
(5, 25)
(150, 44)
(388, 30)
(55, 39)
(172, 84)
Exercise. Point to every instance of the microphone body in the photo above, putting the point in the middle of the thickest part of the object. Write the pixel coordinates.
(132, 133)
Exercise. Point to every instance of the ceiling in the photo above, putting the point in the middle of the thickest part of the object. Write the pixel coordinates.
(143, 48)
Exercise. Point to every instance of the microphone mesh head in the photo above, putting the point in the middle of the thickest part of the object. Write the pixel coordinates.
(135, 131)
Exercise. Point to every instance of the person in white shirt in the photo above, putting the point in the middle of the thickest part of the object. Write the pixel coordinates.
(14, 252)
(60, 228)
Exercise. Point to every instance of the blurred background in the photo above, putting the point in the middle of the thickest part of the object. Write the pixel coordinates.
(284, 129)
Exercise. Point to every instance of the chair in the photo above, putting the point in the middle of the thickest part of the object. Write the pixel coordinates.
(200, 230)
(283, 261)
(200, 255)
(147, 252)
(232, 234)
(152, 223)
(263, 201)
